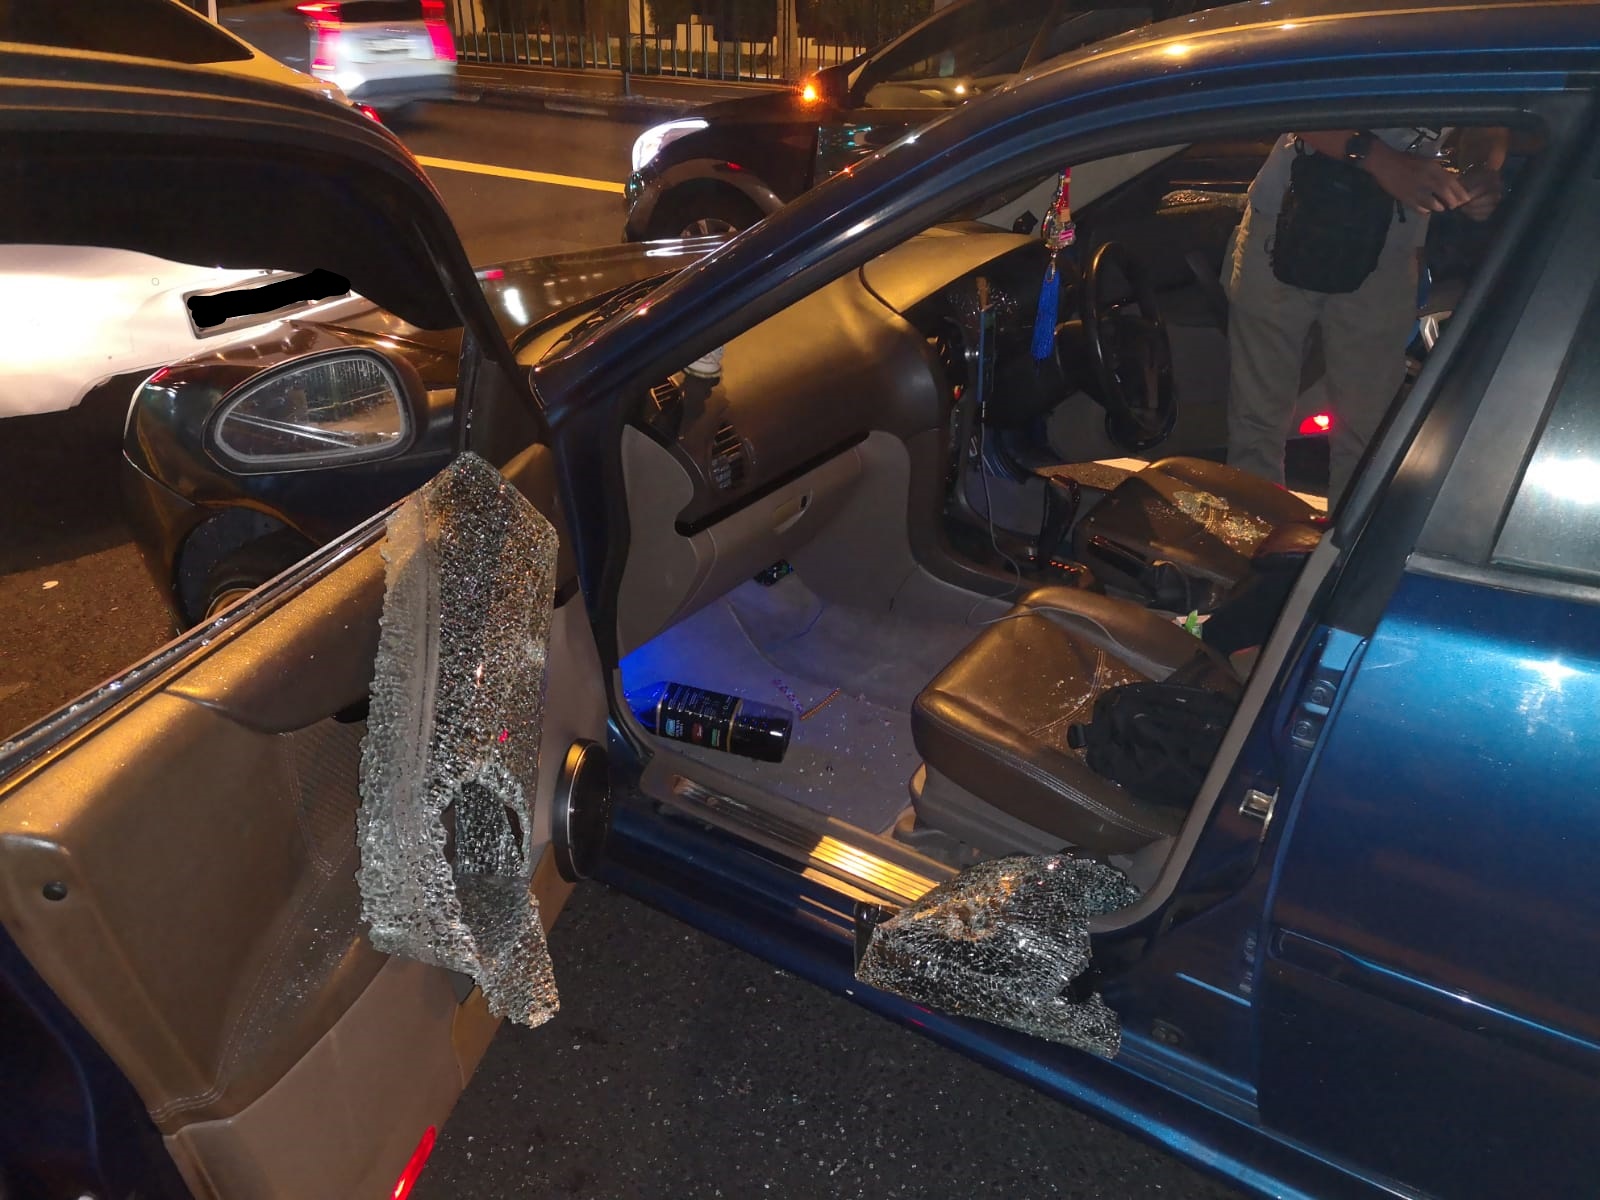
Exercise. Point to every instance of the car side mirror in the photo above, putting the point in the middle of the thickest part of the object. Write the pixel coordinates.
(325, 410)
(831, 85)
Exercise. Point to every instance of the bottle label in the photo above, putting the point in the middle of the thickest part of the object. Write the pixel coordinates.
(694, 715)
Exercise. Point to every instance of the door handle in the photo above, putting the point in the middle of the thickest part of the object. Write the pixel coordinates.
(788, 513)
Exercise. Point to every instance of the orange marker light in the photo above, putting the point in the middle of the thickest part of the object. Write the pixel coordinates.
(1319, 423)
(809, 93)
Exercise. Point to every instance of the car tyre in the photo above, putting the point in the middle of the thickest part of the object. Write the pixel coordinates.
(703, 213)
(248, 567)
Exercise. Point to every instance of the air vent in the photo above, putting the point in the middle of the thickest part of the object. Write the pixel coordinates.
(730, 458)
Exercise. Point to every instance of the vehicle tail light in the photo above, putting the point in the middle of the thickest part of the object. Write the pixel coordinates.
(444, 42)
(366, 110)
(419, 1159)
(1317, 423)
(323, 17)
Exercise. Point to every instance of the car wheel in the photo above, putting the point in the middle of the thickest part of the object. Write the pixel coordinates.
(706, 214)
(248, 567)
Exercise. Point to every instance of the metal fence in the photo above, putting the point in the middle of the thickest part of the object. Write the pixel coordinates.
(705, 39)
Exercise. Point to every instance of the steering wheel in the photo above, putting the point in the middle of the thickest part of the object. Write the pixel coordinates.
(1128, 349)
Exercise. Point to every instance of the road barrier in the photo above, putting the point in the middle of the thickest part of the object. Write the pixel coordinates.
(732, 40)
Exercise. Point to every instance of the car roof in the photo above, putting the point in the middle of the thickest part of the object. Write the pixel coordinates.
(1415, 36)
(164, 31)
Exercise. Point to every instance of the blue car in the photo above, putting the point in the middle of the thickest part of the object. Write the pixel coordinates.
(750, 631)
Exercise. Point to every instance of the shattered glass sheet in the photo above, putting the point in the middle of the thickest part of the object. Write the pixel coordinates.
(1003, 941)
(452, 745)
(1241, 531)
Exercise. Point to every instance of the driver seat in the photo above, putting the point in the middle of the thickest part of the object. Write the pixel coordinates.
(992, 726)
(1183, 533)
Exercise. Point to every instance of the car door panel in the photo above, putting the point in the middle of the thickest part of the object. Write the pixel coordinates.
(1407, 944)
(183, 877)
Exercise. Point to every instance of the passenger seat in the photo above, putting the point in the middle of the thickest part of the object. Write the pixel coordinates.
(992, 726)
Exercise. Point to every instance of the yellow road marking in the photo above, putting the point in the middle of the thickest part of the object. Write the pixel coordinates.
(472, 168)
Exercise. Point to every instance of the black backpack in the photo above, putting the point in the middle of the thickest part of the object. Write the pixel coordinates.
(1158, 739)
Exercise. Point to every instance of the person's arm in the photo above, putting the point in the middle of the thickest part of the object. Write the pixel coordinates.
(1424, 185)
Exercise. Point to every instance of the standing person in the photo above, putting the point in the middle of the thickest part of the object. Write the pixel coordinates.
(1333, 234)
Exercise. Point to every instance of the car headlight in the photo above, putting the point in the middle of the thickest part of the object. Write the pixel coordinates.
(330, 410)
(651, 142)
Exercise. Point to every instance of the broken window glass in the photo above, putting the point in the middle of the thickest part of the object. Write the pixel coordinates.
(1240, 530)
(452, 747)
(1006, 941)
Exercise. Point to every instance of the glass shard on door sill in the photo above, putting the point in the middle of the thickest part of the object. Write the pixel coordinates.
(452, 748)
(1004, 941)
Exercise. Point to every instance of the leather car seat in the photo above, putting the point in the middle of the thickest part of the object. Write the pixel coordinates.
(994, 723)
(1181, 534)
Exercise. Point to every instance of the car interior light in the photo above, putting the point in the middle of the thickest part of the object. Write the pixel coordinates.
(1317, 423)
(419, 1159)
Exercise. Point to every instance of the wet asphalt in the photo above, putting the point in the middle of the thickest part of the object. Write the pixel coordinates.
(680, 1066)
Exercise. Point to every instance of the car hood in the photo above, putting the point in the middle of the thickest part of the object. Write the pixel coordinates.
(778, 105)
(525, 291)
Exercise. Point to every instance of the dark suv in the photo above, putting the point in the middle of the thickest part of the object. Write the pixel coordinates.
(733, 162)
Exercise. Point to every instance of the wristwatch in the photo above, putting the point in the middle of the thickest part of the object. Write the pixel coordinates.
(1359, 145)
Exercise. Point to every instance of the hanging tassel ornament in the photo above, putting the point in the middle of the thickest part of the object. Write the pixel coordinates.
(1058, 232)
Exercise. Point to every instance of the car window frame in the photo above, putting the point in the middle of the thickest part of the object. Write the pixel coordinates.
(1526, 541)
(498, 413)
(1478, 490)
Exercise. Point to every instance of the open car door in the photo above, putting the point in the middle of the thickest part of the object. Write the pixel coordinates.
(195, 899)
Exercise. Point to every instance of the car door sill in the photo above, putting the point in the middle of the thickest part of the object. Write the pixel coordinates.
(827, 849)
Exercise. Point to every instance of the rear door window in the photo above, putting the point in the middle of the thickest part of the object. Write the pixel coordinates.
(1554, 520)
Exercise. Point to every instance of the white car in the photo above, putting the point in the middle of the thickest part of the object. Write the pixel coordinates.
(383, 53)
